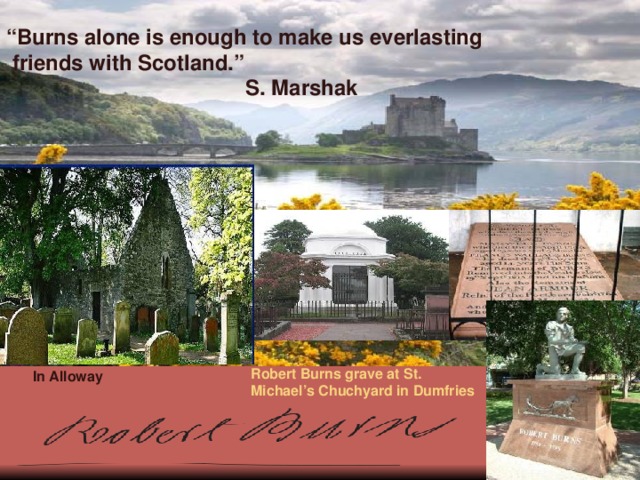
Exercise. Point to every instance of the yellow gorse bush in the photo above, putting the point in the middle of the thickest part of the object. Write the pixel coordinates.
(52, 153)
(501, 201)
(413, 353)
(601, 194)
(311, 203)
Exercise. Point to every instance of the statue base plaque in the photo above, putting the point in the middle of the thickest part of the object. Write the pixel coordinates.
(566, 423)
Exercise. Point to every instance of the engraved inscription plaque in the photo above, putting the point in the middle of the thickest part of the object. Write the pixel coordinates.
(512, 274)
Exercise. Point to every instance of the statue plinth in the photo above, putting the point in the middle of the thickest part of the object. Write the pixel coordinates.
(566, 423)
(566, 376)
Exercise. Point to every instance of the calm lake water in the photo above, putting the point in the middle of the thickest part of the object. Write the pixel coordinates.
(539, 178)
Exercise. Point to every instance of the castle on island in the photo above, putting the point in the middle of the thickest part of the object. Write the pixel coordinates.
(414, 119)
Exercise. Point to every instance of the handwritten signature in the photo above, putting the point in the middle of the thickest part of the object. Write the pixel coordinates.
(288, 424)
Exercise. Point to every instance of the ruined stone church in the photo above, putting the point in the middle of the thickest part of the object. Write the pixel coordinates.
(154, 270)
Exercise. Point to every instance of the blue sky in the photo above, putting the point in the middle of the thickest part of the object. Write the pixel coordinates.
(586, 40)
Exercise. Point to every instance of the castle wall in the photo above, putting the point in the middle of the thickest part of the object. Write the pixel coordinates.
(414, 117)
(469, 138)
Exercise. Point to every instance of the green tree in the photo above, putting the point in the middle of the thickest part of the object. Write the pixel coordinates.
(267, 140)
(281, 275)
(622, 326)
(287, 236)
(413, 277)
(222, 209)
(406, 236)
(328, 139)
(59, 218)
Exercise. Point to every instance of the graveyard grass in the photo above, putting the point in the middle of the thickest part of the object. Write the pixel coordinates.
(625, 415)
(65, 354)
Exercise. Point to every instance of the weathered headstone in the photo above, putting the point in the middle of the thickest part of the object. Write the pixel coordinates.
(63, 325)
(161, 320)
(86, 338)
(121, 327)
(194, 329)
(26, 339)
(8, 309)
(4, 326)
(210, 332)
(47, 313)
(510, 268)
(229, 336)
(162, 349)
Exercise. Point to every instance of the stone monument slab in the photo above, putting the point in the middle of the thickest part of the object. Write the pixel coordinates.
(47, 313)
(4, 326)
(161, 320)
(512, 274)
(8, 309)
(163, 348)
(86, 338)
(26, 339)
(122, 327)
(63, 325)
(563, 423)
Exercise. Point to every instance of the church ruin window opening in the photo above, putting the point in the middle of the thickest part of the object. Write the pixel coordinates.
(165, 277)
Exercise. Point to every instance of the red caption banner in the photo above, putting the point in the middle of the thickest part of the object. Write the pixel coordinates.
(214, 421)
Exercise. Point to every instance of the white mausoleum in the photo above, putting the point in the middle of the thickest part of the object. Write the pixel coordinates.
(348, 254)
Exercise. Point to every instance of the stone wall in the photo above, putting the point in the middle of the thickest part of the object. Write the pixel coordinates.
(410, 117)
(78, 288)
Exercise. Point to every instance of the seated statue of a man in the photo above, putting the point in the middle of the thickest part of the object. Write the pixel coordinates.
(562, 343)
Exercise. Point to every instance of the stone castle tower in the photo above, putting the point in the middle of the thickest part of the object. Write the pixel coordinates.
(425, 117)
(415, 117)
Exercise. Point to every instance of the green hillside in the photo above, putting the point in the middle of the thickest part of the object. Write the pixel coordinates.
(37, 109)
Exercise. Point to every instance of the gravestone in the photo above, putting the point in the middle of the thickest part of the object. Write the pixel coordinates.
(4, 326)
(121, 327)
(63, 325)
(512, 271)
(566, 423)
(161, 320)
(8, 309)
(229, 336)
(210, 332)
(26, 339)
(162, 349)
(86, 338)
(194, 329)
(47, 314)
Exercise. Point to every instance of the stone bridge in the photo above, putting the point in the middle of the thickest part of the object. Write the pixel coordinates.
(138, 149)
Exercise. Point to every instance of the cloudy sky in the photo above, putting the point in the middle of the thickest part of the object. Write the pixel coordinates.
(337, 221)
(590, 40)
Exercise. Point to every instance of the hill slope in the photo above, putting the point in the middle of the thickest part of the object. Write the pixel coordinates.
(46, 109)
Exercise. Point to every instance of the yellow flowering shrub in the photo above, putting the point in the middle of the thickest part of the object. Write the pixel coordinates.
(602, 194)
(501, 201)
(311, 203)
(52, 153)
(359, 353)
